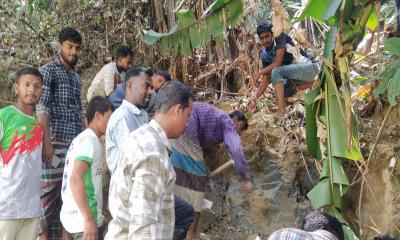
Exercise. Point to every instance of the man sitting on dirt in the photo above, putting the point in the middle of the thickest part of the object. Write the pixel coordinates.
(279, 68)
(106, 81)
(316, 225)
(158, 79)
(208, 127)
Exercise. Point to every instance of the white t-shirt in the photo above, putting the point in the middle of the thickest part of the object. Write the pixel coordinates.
(103, 82)
(85, 147)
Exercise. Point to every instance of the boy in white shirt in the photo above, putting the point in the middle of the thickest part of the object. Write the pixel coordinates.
(81, 212)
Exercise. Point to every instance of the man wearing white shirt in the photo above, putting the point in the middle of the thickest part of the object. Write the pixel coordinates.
(130, 115)
(111, 74)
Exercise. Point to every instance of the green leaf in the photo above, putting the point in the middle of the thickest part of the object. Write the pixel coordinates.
(394, 88)
(338, 132)
(235, 12)
(320, 195)
(150, 37)
(185, 18)
(311, 123)
(393, 45)
(348, 233)
(372, 22)
(386, 75)
(331, 10)
(190, 33)
(314, 9)
(330, 42)
(338, 174)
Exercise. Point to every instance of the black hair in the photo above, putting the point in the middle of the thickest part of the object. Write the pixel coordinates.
(164, 74)
(97, 104)
(240, 117)
(26, 71)
(265, 26)
(133, 72)
(124, 51)
(385, 238)
(149, 71)
(69, 34)
(317, 220)
(170, 94)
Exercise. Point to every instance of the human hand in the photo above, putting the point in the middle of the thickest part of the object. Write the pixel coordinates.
(47, 152)
(191, 232)
(90, 230)
(246, 186)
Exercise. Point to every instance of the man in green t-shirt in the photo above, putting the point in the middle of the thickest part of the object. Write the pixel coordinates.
(81, 190)
(21, 137)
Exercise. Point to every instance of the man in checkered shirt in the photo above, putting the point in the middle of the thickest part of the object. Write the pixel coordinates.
(141, 198)
(60, 112)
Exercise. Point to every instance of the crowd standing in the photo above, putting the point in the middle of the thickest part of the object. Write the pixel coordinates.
(155, 135)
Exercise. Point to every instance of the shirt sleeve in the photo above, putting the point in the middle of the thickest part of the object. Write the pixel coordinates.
(116, 137)
(108, 77)
(232, 143)
(145, 197)
(43, 107)
(1, 130)
(85, 150)
(280, 41)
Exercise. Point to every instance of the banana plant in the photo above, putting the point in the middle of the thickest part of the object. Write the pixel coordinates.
(190, 33)
(331, 126)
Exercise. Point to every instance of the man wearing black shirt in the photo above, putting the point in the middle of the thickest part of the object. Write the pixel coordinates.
(280, 68)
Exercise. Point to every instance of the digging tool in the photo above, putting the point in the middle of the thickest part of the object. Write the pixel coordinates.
(220, 169)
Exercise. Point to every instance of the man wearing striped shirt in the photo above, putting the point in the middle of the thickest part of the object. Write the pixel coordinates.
(141, 198)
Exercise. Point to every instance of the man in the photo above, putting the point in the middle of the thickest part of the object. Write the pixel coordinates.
(81, 212)
(279, 68)
(21, 137)
(106, 81)
(141, 192)
(316, 226)
(60, 113)
(158, 79)
(208, 127)
(129, 116)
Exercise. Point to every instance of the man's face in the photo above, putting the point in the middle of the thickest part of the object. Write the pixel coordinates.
(29, 89)
(124, 63)
(158, 81)
(69, 52)
(103, 121)
(266, 39)
(141, 90)
(181, 119)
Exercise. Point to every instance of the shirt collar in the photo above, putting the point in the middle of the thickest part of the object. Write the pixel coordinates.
(135, 110)
(61, 65)
(154, 124)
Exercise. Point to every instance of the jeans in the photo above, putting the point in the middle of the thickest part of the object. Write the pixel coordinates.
(184, 217)
(294, 74)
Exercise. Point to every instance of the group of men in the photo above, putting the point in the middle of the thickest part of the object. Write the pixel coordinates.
(51, 154)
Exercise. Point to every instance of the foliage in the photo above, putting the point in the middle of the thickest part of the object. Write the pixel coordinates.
(190, 33)
(390, 76)
(331, 127)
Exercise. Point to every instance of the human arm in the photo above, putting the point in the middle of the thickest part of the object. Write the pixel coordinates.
(116, 134)
(233, 144)
(79, 193)
(43, 113)
(110, 78)
(191, 232)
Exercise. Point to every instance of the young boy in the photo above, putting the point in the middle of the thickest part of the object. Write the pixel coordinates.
(21, 138)
(81, 191)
